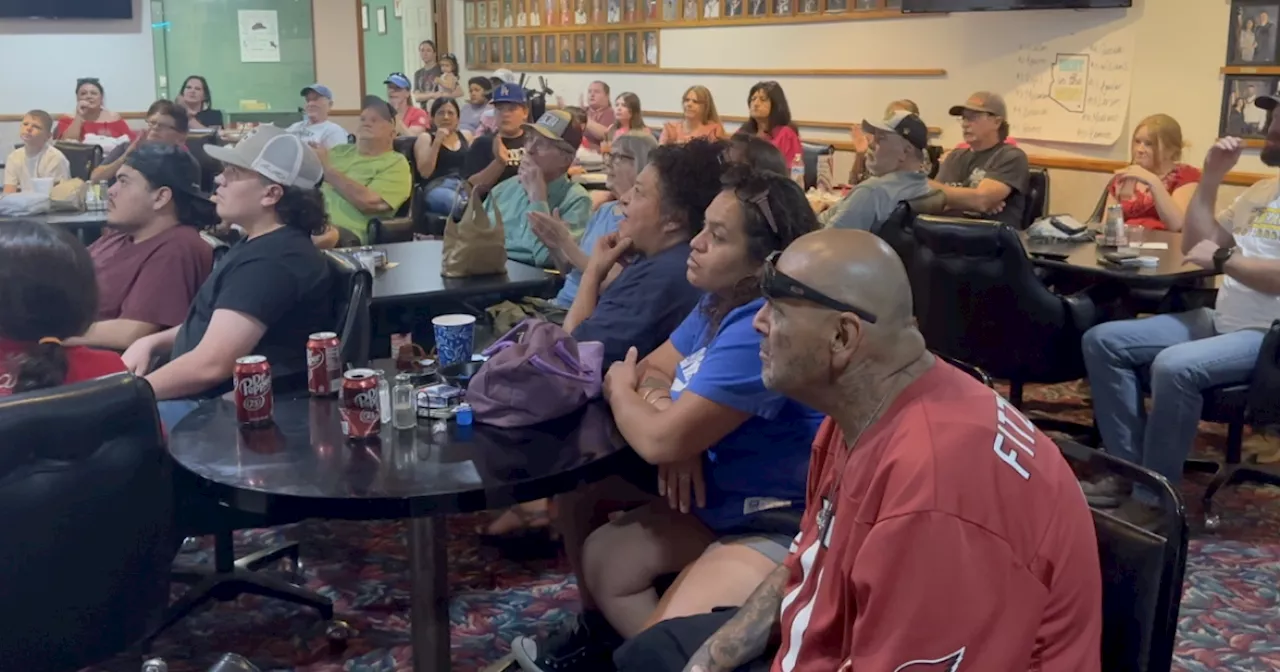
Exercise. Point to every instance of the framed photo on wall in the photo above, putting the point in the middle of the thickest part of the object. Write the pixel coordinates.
(651, 47)
(535, 48)
(495, 17)
(631, 49)
(481, 13)
(1251, 32)
(522, 14)
(782, 7)
(495, 50)
(670, 10)
(549, 47)
(507, 49)
(692, 10)
(1240, 117)
(566, 49)
(580, 48)
(471, 52)
(597, 48)
(809, 6)
(522, 49)
(733, 8)
(837, 6)
(613, 49)
(757, 7)
(469, 15)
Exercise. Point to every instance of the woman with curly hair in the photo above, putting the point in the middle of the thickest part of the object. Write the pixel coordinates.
(732, 456)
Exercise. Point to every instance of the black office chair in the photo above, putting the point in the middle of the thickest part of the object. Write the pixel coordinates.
(1256, 403)
(87, 493)
(978, 300)
(83, 158)
(1037, 197)
(391, 230)
(810, 153)
(897, 229)
(1142, 569)
(354, 292)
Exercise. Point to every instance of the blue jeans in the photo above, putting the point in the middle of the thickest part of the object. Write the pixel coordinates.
(173, 411)
(1186, 354)
(445, 200)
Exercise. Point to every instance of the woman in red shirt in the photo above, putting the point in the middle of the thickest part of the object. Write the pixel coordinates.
(49, 293)
(91, 116)
(1155, 189)
(771, 119)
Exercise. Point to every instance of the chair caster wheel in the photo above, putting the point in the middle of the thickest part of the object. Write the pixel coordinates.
(338, 634)
(1212, 522)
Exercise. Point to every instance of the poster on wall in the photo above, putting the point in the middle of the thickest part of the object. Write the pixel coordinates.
(259, 36)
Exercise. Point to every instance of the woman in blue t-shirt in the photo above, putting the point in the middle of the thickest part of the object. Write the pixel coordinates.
(726, 447)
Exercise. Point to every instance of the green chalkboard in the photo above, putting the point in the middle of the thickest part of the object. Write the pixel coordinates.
(203, 38)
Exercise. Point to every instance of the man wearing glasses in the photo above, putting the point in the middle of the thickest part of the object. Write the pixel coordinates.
(166, 123)
(940, 527)
(988, 178)
(541, 185)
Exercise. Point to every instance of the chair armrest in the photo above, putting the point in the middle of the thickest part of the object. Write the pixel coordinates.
(1081, 310)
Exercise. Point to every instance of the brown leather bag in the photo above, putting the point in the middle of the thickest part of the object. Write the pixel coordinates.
(471, 245)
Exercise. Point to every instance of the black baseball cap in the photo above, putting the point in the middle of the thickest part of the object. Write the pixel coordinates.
(382, 107)
(904, 124)
(166, 165)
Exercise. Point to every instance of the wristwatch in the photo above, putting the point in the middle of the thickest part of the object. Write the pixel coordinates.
(1220, 257)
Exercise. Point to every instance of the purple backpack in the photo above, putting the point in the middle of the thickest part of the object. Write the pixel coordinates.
(535, 373)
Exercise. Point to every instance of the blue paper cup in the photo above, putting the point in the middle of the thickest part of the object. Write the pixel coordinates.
(455, 338)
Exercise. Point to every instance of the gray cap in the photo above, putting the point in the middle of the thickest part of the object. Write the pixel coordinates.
(982, 101)
(276, 155)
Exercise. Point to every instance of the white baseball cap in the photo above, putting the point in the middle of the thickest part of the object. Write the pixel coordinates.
(276, 155)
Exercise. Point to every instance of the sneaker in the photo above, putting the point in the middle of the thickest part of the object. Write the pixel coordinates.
(1105, 492)
(572, 650)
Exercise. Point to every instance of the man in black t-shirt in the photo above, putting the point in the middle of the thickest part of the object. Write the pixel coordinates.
(270, 291)
(988, 178)
(490, 161)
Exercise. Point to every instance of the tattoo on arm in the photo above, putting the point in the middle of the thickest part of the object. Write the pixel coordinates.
(747, 635)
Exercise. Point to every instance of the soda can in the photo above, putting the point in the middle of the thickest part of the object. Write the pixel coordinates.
(252, 379)
(361, 406)
(324, 365)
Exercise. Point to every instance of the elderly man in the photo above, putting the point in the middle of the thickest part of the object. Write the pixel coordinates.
(940, 526)
(895, 159)
(315, 127)
(367, 179)
(989, 177)
(541, 186)
(1185, 353)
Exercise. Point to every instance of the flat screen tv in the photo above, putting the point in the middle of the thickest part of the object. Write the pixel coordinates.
(66, 9)
(923, 6)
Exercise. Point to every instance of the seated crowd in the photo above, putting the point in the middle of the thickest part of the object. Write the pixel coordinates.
(806, 468)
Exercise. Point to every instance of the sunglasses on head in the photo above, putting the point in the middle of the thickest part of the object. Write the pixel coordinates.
(775, 284)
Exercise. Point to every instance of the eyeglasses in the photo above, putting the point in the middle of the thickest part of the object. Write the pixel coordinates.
(160, 126)
(775, 284)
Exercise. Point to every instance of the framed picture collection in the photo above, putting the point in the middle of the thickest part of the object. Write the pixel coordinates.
(622, 34)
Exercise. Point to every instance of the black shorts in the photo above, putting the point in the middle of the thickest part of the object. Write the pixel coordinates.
(668, 646)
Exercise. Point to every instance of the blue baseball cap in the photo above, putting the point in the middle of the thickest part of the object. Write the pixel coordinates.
(320, 89)
(398, 80)
(509, 93)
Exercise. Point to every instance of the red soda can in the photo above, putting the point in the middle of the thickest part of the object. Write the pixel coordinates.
(324, 366)
(252, 379)
(360, 408)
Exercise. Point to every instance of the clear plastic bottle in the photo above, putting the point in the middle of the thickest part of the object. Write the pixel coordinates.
(384, 397)
(797, 171)
(404, 415)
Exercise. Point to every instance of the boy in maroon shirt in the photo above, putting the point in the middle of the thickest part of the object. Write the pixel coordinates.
(943, 531)
(151, 260)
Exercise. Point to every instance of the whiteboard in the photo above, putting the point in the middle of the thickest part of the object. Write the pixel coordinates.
(1074, 88)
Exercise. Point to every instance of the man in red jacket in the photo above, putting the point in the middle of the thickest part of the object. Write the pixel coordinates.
(943, 531)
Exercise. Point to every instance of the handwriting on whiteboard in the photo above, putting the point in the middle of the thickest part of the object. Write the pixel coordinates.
(1065, 91)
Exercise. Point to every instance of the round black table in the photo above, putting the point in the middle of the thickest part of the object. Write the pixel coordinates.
(303, 466)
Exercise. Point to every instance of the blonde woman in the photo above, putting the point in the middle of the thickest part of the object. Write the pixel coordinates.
(700, 119)
(1156, 187)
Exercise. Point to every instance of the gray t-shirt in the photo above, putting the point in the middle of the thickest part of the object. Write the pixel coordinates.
(1003, 163)
(325, 133)
(872, 201)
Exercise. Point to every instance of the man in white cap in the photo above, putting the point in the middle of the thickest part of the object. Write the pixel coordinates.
(895, 159)
(315, 126)
(266, 296)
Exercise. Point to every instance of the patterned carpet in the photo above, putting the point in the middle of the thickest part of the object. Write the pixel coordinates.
(1230, 616)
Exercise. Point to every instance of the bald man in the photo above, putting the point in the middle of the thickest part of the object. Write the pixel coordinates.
(941, 526)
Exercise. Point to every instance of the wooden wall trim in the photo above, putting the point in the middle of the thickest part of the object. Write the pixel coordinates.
(832, 125)
(723, 21)
(1240, 179)
(757, 73)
